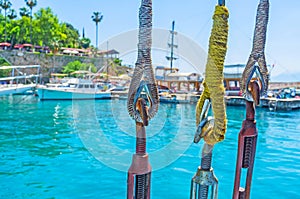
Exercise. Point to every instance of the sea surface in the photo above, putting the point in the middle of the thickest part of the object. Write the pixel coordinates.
(82, 149)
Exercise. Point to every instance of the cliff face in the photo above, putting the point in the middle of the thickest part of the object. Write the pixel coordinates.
(48, 62)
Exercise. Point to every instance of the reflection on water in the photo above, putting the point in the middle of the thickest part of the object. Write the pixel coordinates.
(42, 155)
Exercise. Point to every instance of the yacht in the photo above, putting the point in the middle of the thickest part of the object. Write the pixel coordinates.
(74, 89)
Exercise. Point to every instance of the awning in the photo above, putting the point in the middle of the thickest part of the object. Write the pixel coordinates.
(5, 44)
(27, 45)
(58, 74)
(81, 72)
(67, 51)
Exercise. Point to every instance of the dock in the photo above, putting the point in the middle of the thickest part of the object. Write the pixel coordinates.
(271, 103)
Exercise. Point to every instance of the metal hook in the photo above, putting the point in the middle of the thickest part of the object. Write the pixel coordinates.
(206, 122)
(260, 78)
(143, 87)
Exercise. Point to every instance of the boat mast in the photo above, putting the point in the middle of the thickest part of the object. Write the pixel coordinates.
(172, 46)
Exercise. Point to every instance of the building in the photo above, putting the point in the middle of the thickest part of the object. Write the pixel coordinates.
(171, 78)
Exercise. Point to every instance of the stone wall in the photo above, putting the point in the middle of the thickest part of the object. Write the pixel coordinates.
(49, 63)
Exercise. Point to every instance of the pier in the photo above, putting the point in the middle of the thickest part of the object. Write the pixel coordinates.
(271, 103)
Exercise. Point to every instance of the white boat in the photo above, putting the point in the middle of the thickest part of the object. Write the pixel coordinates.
(74, 89)
(17, 82)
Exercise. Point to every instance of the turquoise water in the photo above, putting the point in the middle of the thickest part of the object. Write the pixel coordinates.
(82, 149)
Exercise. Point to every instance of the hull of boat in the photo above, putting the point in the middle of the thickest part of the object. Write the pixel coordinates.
(15, 90)
(52, 94)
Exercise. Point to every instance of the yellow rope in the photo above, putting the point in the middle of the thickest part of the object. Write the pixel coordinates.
(213, 83)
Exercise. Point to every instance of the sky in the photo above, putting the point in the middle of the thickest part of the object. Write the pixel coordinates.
(193, 19)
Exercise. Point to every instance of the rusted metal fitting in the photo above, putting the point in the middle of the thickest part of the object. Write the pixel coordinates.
(141, 107)
(205, 177)
(204, 181)
(253, 87)
(247, 146)
(201, 182)
(139, 173)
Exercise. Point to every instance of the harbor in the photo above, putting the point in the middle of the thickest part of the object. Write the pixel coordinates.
(168, 100)
(186, 87)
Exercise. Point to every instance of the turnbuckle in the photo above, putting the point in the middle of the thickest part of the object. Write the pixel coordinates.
(139, 173)
(204, 181)
(247, 145)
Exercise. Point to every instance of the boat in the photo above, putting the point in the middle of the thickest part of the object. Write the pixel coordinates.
(74, 89)
(19, 80)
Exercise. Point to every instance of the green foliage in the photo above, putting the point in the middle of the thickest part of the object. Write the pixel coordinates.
(3, 62)
(118, 61)
(97, 17)
(47, 30)
(31, 3)
(77, 66)
(85, 42)
(6, 72)
(12, 14)
(24, 12)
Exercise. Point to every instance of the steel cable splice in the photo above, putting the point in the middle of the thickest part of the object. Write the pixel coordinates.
(252, 91)
(143, 68)
(257, 54)
(139, 173)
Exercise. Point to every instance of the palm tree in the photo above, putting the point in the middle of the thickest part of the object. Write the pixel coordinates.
(24, 12)
(31, 4)
(5, 4)
(97, 18)
(12, 14)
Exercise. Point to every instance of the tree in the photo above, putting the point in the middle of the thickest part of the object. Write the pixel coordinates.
(31, 4)
(72, 39)
(5, 4)
(12, 14)
(97, 18)
(24, 32)
(5, 72)
(46, 27)
(85, 42)
(24, 12)
(13, 29)
(77, 65)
